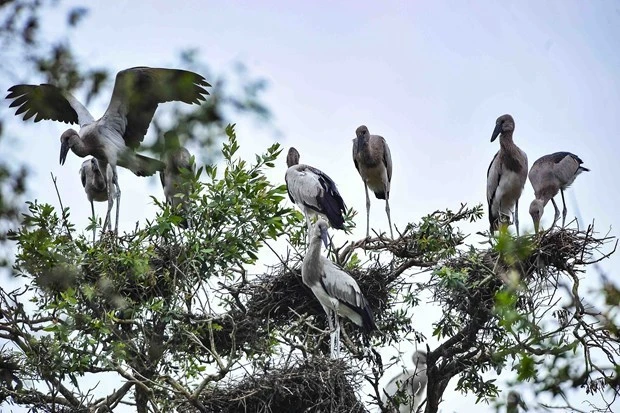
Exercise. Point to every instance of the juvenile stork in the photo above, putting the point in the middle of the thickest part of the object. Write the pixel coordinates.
(114, 138)
(506, 175)
(514, 401)
(95, 183)
(173, 181)
(336, 290)
(411, 382)
(373, 161)
(313, 192)
(550, 174)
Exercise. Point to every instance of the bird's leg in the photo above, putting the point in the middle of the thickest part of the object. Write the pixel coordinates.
(563, 208)
(367, 210)
(309, 225)
(118, 198)
(387, 211)
(516, 219)
(109, 177)
(337, 335)
(92, 210)
(332, 342)
(556, 217)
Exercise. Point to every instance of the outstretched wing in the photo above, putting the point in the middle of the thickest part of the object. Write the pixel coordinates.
(48, 102)
(138, 91)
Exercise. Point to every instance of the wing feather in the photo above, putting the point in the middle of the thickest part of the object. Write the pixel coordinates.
(48, 102)
(494, 174)
(139, 90)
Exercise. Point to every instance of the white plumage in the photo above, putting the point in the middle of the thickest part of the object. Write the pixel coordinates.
(336, 290)
(113, 138)
(313, 191)
(412, 382)
(506, 175)
(549, 175)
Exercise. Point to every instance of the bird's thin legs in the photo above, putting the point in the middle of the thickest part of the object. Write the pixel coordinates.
(387, 211)
(337, 335)
(92, 210)
(332, 334)
(309, 224)
(118, 198)
(367, 211)
(556, 217)
(517, 217)
(563, 208)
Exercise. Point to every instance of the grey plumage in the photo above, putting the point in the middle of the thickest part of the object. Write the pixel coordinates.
(412, 382)
(373, 161)
(514, 401)
(506, 175)
(549, 175)
(336, 290)
(173, 180)
(113, 138)
(95, 183)
(313, 191)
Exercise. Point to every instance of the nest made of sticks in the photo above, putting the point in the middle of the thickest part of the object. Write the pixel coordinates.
(315, 385)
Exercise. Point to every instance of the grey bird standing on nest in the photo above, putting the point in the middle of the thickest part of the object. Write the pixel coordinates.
(373, 161)
(549, 175)
(506, 176)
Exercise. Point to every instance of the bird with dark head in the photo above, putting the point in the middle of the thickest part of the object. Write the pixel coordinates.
(314, 192)
(336, 290)
(549, 175)
(506, 175)
(95, 183)
(373, 161)
(114, 138)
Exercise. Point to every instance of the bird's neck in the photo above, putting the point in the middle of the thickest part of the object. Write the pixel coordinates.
(505, 141)
(78, 147)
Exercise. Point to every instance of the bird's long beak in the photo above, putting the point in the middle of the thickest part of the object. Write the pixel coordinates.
(64, 149)
(324, 237)
(536, 226)
(496, 131)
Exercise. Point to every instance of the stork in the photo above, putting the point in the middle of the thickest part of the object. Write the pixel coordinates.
(373, 161)
(336, 290)
(506, 175)
(410, 382)
(550, 174)
(313, 192)
(114, 138)
(95, 183)
(514, 401)
(173, 181)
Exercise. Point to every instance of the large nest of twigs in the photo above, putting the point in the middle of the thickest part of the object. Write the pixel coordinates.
(315, 385)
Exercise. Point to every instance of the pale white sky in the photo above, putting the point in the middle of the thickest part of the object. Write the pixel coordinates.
(431, 77)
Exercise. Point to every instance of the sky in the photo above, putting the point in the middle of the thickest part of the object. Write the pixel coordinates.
(430, 77)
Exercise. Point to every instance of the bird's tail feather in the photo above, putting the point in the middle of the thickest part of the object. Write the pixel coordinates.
(333, 208)
(583, 169)
(145, 166)
(380, 194)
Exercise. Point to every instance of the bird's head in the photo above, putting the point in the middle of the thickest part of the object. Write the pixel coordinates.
(536, 211)
(513, 400)
(320, 232)
(503, 124)
(292, 158)
(67, 140)
(94, 164)
(362, 131)
(419, 357)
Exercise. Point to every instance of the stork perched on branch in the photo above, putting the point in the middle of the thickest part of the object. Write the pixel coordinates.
(336, 290)
(411, 382)
(95, 183)
(550, 174)
(506, 175)
(313, 192)
(373, 161)
(114, 138)
(177, 159)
